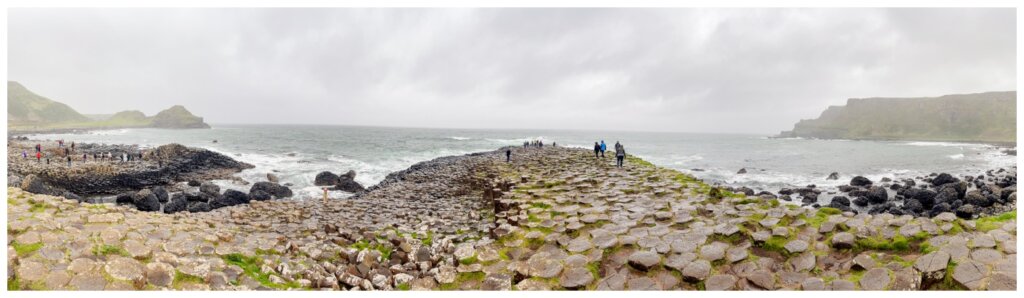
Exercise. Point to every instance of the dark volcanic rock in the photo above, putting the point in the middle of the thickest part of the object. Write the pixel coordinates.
(839, 201)
(274, 189)
(209, 188)
(325, 178)
(860, 181)
(861, 201)
(177, 203)
(833, 176)
(145, 200)
(943, 179)
(877, 195)
(34, 184)
(198, 207)
(161, 194)
(259, 195)
(966, 211)
(230, 197)
(73, 196)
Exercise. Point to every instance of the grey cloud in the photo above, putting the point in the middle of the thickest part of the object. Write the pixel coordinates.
(705, 70)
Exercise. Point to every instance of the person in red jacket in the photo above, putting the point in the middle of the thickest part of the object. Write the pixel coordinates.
(39, 156)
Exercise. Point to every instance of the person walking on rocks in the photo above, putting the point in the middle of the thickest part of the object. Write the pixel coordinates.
(508, 154)
(620, 154)
(597, 150)
(72, 146)
(69, 160)
(39, 156)
(24, 154)
(603, 148)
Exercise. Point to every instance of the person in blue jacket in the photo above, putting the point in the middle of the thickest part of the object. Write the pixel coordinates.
(603, 148)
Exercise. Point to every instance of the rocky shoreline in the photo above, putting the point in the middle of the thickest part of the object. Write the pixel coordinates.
(553, 218)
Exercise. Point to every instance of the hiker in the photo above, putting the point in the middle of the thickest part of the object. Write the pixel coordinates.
(24, 154)
(85, 157)
(39, 156)
(72, 146)
(39, 147)
(69, 160)
(540, 144)
(67, 152)
(597, 150)
(526, 144)
(554, 144)
(620, 154)
(603, 148)
(508, 155)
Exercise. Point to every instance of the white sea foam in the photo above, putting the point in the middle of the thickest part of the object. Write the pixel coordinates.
(947, 144)
(460, 138)
(957, 156)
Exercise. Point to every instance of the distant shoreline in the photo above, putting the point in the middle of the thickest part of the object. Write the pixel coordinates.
(993, 143)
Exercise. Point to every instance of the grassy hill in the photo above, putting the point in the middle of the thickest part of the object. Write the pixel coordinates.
(27, 111)
(980, 117)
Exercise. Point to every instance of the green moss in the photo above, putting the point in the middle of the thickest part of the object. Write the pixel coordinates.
(989, 223)
(747, 201)
(461, 279)
(898, 243)
(105, 250)
(251, 267)
(540, 205)
(776, 244)
(14, 284)
(182, 278)
(403, 287)
(470, 260)
(36, 206)
(25, 250)
(927, 248)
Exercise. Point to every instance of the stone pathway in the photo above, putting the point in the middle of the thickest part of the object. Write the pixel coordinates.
(553, 219)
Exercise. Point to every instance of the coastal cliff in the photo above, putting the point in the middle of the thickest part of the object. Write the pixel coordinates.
(27, 111)
(981, 117)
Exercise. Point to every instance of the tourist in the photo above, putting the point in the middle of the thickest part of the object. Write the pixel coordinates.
(620, 154)
(72, 146)
(85, 156)
(69, 160)
(39, 148)
(39, 156)
(554, 144)
(603, 148)
(597, 150)
(67, 152)
(24, 154)
(508, 154)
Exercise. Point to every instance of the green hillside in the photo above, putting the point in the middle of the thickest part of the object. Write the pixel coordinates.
(27, 111)
(27, 108)
(980, 117)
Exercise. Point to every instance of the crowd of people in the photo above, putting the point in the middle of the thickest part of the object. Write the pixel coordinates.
(70, 155)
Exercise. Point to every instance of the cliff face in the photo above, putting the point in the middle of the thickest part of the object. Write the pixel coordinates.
(29, 111)
(980, 117)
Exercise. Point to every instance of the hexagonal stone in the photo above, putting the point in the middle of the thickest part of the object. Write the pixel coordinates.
(545, 267)
(986, 256)
(762, 279)
(714, 251)
(580, 244)
(606, 241)
(91, 281)
(720, 282)
(970, 274)
(932, 266)
(804, 261)
(812, 284)
(679, 261)
(124, 269)
(497, 282)
(642, 283)
(613, 282)
(1000, 281)
(697, 271)
(576, 278)
(842, 240)
(160, 274)
(726, 229)
(843, 285)
(644, 260)
(863, 261)
(983, 241)
(875, 279)
(796, 246)
(532, 285)
(30, 271)
(736, 254)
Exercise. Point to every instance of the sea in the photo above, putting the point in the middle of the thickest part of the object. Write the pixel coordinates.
(296, 153)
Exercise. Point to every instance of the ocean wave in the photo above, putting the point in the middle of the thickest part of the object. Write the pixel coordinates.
(460, 138)
(956, 156)
(946, 144)
(685, 159)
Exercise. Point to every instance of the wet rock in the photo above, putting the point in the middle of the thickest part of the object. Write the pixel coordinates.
(230, 197)
(860, 181)
(177, 203)
(833, 176)
(210, 189)
(943, 179)
(272, 188)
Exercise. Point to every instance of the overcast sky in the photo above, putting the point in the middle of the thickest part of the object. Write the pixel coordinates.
(693, 70)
